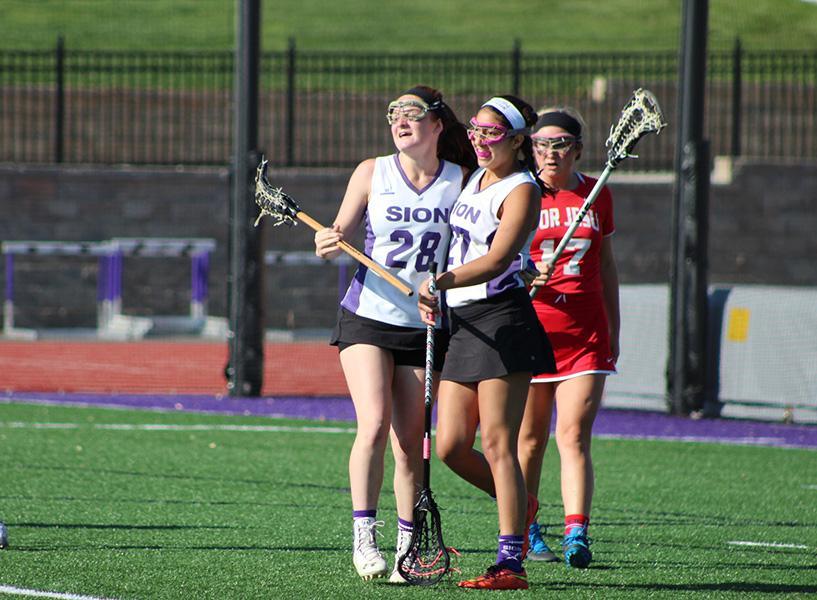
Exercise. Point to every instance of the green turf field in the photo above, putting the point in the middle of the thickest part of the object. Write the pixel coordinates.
(419, 25)
(130, 504)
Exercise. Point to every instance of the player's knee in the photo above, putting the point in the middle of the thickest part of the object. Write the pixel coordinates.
(532, 447)
(444, 452)
(497, 448)
(372, 433)
(450, 451)
(407, 450)
(572, 439)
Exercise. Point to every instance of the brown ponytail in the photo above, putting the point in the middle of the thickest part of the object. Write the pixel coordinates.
(453, 144)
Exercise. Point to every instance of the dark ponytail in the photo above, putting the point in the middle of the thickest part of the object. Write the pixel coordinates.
(454, 145)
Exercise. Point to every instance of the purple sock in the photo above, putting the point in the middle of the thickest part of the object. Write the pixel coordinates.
(404, 525)
(509, 554)
(363, 514)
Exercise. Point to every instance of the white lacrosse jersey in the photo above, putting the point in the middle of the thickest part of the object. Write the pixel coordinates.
(406, 231)
(474, 221)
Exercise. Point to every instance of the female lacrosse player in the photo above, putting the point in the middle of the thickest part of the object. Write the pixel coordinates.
(579, 308)
(404, 201)
(496, 341)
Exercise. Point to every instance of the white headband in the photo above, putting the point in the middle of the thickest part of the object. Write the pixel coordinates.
(507, 110)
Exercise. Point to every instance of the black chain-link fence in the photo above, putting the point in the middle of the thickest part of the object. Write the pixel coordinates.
(328, 108)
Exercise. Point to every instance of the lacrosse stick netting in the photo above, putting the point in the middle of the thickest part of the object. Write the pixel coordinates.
(278, 205)
(273, 202)
(640, 116)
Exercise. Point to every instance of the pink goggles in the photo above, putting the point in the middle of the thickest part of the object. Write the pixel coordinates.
(490, 133)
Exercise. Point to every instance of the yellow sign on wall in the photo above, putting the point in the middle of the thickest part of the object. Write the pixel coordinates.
(737, 329)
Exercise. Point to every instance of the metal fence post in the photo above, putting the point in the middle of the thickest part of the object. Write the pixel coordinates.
(686, 373)
(737, 88)
(59, 100)
(516, 66)
(245, 370)
(290, 111)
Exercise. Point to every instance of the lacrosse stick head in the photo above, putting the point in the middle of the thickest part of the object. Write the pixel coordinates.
(427, 560)
(640, 116)
(272, 201)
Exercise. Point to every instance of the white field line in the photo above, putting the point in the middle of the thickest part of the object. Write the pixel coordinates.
(179, 407)
(22, 425)
(171, 427)
(768, 545)
(8, 589)
(240, 428)
(776, 442)
(809, 486)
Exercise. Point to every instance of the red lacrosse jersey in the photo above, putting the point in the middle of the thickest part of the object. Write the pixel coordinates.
(578, 268)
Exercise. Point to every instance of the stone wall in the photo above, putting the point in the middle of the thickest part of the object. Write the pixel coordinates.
(762, 230)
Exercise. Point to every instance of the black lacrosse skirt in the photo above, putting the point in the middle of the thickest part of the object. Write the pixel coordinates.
(496, 337)
(407, 344)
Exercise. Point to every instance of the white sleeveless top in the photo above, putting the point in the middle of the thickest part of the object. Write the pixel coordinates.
(406, 230)
(474, 221)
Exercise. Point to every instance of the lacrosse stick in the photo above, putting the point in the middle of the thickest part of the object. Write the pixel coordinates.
(427, 559)
(274, 202)
(640, 116)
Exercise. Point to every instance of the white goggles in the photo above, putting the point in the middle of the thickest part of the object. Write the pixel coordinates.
(412, 110)
(561, 144)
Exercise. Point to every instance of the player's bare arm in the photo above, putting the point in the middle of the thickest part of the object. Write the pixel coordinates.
(350, 213)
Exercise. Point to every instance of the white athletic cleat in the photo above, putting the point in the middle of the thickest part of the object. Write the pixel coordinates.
(403, 545)
(4, 536)
(368, 559)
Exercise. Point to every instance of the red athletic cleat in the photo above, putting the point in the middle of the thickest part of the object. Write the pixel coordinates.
(497, 578)
(530, 517)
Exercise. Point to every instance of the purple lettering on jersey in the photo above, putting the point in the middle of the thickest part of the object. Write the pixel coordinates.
(421, 215)
(406, 214)
(469, 213)
(441, 215)
(394, 213)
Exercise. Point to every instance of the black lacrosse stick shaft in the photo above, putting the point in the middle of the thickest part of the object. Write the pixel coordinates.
(429, 389)
(427, 560)
(427, 446)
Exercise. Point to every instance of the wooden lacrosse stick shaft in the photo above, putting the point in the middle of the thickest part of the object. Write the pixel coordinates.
(358, 255)
(591, 197)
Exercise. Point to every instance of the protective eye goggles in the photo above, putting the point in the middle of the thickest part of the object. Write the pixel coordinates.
(562, 145)
(412, 110)
(489, 133)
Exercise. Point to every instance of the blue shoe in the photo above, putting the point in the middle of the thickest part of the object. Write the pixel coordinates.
(577, 549)
(538, 548)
